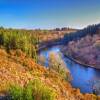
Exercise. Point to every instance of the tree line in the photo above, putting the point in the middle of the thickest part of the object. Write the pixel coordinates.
(90, 30)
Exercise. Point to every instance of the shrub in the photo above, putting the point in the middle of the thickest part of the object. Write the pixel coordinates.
(56, 63)
(34, 90)
(21, 93)
(16, 92)
(28, 92)
(42, 92)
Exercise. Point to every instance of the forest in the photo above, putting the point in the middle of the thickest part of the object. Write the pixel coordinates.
(84, 46)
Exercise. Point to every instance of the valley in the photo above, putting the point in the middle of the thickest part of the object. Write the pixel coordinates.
(20, 66)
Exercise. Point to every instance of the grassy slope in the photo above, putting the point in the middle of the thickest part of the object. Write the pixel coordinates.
(17, 68)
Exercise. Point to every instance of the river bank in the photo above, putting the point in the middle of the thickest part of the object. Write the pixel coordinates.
(48, 45)
(83, 77)
(79, 62)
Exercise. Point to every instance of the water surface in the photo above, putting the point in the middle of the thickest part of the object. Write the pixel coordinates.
(83, 77)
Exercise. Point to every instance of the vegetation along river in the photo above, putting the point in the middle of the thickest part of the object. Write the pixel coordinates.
(83, 77)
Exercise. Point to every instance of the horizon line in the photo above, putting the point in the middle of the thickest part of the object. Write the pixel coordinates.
(49, 28)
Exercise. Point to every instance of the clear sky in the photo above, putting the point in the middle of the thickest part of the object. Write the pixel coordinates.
(49, 13)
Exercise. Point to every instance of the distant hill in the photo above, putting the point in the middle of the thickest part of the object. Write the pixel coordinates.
(89, 30)
(84, 46)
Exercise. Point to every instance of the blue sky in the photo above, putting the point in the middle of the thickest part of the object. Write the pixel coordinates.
(49, 13)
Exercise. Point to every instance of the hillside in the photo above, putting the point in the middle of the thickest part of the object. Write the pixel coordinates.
(16, 68)
(84, 46)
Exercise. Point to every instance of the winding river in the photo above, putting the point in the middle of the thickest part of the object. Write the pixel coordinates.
(83, 77)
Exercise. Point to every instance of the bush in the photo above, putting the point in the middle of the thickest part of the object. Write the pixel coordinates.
(42, 92)
(28, 92)
(35, 90)
(56, 63)
(16, 92)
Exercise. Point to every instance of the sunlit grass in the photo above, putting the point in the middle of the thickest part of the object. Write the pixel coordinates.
(34, 90)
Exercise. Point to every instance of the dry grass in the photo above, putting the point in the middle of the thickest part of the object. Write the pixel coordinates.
(21, 70)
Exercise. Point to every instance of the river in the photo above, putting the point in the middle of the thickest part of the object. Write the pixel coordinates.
(83, 77)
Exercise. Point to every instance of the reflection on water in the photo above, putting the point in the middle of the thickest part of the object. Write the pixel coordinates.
(83, 77)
